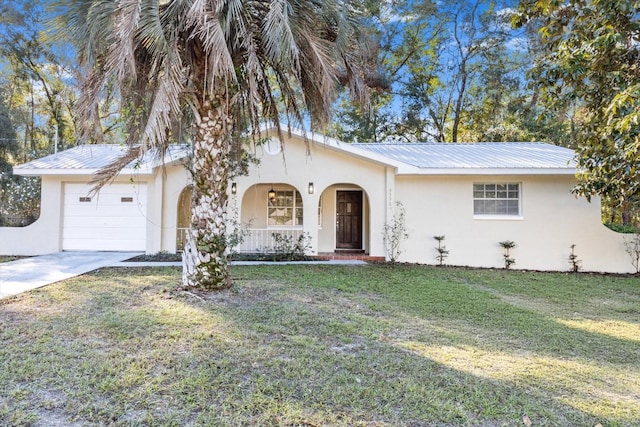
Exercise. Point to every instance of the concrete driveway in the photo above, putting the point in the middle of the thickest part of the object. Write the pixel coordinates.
(31, 273)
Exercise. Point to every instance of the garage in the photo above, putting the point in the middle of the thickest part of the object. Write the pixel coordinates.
(112, 220)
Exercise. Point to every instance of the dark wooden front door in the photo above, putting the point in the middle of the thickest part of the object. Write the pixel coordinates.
(349, 220)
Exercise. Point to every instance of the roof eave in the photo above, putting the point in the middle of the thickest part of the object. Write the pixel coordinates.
(76, 172)
(487, 171)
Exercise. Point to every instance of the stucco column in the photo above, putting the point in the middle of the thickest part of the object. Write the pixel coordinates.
(155, 198)
(234, 211)
(389, 196)
(310, 219)
(390, 202)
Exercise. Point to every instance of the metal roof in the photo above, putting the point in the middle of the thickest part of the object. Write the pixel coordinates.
(408, 158)
(91, 158)
(481, 155)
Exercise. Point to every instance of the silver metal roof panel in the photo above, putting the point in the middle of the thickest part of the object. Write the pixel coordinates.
(482, 155)
(93, 157)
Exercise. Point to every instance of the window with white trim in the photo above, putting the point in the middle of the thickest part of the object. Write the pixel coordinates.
(285, 208)
(497, 199)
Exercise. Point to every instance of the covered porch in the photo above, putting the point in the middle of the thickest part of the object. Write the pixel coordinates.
(331, 220)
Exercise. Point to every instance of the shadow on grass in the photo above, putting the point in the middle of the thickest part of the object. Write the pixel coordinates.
(452, 296)
(301, 345)
(350, 367)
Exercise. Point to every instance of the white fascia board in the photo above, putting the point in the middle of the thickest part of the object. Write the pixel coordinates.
(77, 172)
(487, 171)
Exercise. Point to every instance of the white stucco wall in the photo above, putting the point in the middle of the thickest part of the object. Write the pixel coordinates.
(43, 236)
(552, 220)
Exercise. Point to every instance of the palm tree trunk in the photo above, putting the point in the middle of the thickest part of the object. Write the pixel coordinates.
(204, 258)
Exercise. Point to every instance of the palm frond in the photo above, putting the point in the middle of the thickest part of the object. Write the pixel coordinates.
(109, 172)
(166, 102)
(155, 27)
(121, 59)
(279, 41)
(87, 107)
(203, 22)
(318, 76)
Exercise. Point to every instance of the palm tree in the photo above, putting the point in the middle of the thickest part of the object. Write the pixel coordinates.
(219, 63)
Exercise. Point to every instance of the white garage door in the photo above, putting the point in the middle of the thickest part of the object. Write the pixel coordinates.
(112, 220)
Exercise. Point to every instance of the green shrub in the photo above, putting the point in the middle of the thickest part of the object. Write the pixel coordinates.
(619, 228)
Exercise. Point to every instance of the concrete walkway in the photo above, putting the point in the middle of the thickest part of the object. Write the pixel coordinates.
(31, 273)
(179, 264)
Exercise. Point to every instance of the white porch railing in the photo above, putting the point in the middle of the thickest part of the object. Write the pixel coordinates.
(261, 240)
(181, 238)
(255, 239)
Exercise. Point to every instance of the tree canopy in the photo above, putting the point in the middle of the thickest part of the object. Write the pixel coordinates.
(590, 64)
(456, 72)
(36, 103)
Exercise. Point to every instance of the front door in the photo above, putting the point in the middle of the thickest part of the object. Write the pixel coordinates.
(349, 220)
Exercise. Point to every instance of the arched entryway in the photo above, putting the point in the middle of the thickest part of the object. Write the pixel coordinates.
(344, 212)
(184, 217)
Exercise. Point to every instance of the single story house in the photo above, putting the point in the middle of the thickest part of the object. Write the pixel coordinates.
(341, 196)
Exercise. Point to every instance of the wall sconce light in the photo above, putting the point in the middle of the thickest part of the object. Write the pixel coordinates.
(272, 194)
(234, 188)
(311, 188)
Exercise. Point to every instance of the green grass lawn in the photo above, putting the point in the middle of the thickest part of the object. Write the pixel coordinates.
(324, 345)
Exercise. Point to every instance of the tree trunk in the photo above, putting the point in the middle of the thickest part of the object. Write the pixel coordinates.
(204, 258)
(626, 213)
(458, 109)
(33, 120)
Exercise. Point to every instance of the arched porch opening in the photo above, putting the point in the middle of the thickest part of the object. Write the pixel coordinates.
(271, 211)
(184, 217)
(344, 219)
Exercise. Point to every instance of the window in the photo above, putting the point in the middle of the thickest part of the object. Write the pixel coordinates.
(126, 199)
(84, 199)
(496, 199)
(285, 208)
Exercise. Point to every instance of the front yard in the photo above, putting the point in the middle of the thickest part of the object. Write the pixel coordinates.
(324, 345)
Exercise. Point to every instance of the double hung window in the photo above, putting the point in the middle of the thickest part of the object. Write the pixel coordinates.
(495, 199)
(285, 208)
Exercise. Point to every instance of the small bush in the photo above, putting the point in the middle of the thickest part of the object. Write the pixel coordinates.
(507, 245)
(285, 248)
(394, 233)
(442, 250)
(632, 247)
(574, 262)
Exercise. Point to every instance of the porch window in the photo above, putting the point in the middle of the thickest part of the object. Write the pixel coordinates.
(285, 208)
(496, 199)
